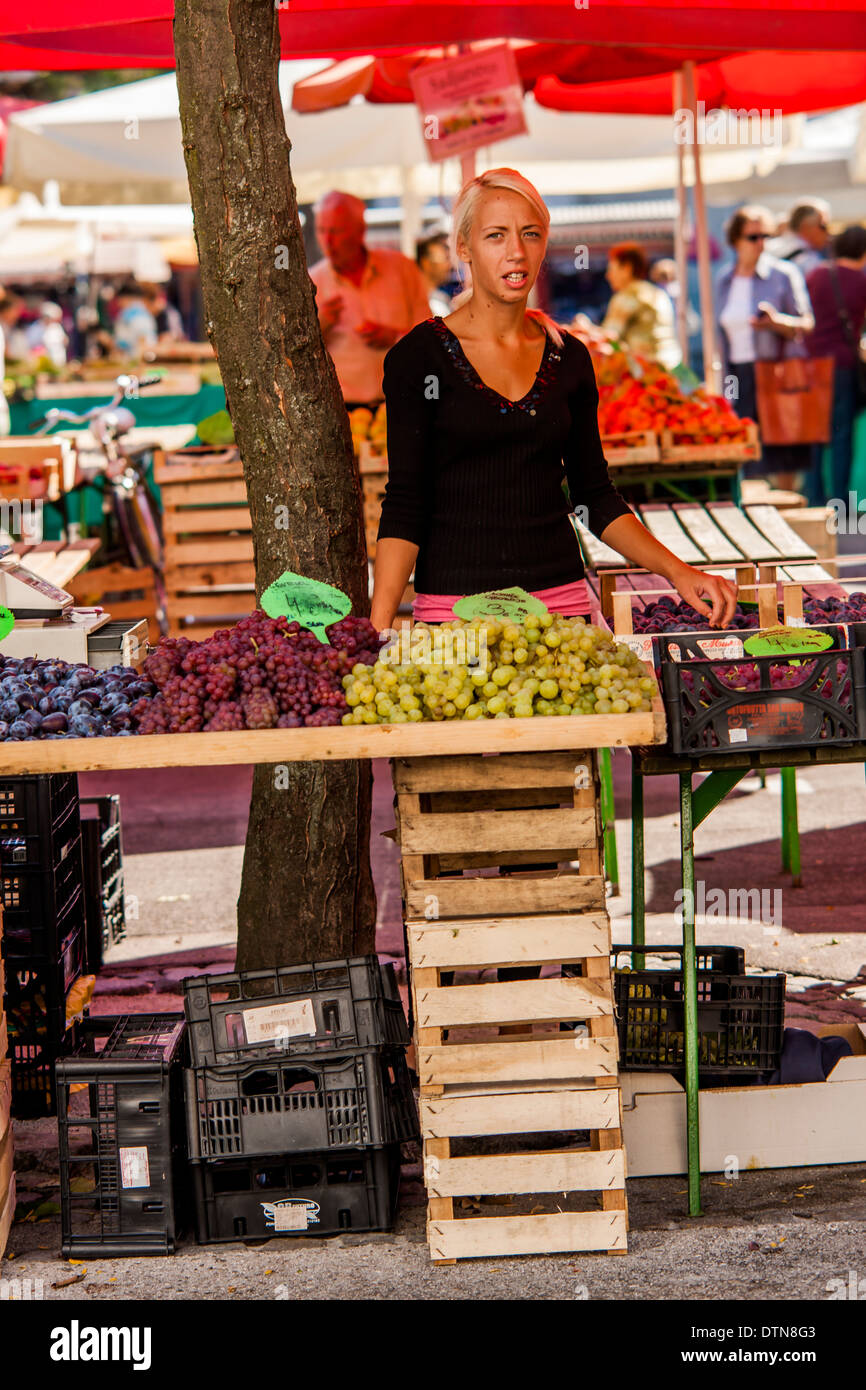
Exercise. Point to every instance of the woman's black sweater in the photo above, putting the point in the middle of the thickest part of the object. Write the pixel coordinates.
(475, 480)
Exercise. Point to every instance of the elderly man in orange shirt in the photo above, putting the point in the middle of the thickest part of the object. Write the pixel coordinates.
(366, 298)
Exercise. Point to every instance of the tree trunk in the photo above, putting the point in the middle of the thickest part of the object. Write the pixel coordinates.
(307, 890)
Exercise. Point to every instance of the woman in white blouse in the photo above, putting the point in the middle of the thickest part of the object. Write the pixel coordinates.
(764, 312)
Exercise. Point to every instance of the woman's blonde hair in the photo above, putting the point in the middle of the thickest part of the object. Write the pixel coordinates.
(464, 212)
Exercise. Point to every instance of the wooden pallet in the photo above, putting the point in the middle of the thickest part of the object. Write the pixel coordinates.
(688, 452)
(493, 1062)
(209, 560)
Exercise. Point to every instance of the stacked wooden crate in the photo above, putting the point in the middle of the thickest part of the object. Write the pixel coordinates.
(502, 867)
(125, 593)
(373, 468)
(209, 566)
(7, 1177)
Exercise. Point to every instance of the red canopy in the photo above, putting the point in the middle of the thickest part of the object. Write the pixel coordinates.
(625, 81)
(141, 34)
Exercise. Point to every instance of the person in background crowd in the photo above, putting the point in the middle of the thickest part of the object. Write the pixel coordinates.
(46, 336)
(838, 294)
(639, 315)
(664, 274)
(169, 324)
(433, 259)
(135, 325)
(806, 242)
(10, 311)
(366, 299)
(763, 313)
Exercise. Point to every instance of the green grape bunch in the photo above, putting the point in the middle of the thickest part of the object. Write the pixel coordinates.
(546, 665)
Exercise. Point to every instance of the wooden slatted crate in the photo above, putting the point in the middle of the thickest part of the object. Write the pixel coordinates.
(210, 570)
(631, 446)
(502, 867)
(373, 486)
(686, 451)
(123, 591)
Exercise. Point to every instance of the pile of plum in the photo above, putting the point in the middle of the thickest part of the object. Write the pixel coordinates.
(672, 615)
(56, 699)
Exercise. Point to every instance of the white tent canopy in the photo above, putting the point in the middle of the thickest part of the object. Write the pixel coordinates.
(124, 144)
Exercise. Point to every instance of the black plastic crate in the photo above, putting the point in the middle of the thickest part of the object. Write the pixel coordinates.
(35, 1004)
(708, 713)
(102, 851)
(34, 812)
(123, 1171)
(741, 1018)
(330, 1006)
(40, 905)
(34, 1091)
(300, 1104)
(316, 1194)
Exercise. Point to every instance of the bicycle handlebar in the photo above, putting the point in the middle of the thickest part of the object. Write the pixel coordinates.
(121, 392)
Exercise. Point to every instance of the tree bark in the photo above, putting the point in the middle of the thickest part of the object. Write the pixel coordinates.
(307, 890)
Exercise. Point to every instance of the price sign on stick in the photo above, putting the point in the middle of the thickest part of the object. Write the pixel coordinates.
(310, 602)
(7, 622)
(510, 605)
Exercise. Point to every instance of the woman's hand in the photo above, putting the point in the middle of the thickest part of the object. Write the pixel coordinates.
(720, 594)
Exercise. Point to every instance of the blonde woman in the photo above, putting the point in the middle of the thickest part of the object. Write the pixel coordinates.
(489, 409)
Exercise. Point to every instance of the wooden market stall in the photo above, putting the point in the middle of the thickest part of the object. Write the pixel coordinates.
(500, 834)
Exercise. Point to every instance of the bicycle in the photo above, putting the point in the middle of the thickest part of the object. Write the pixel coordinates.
(132, 526)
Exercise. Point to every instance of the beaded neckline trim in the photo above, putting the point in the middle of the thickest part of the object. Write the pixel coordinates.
(545, 375)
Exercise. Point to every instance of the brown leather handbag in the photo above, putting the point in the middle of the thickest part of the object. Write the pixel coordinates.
(795, 400)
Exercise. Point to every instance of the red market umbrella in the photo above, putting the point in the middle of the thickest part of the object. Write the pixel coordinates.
(142, 36)
(621, 81)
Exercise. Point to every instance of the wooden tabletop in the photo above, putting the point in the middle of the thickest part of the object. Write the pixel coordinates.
(428, 739)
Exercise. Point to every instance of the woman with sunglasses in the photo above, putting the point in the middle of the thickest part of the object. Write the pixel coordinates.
(764, 313)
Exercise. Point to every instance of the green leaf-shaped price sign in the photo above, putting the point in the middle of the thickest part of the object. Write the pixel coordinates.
(506, 605)
(7, 622)
(310, 602)
(788, 641)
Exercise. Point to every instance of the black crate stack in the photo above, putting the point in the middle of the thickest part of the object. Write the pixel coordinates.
(123, 1154)
(298, 1099)
(102, 849)
(42, 890)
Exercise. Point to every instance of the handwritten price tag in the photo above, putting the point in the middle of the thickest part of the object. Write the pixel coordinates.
(783, 641)
(310, 602)
(7, 622)
(512, 605)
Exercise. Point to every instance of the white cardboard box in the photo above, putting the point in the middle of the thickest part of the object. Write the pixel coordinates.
(758, 1126)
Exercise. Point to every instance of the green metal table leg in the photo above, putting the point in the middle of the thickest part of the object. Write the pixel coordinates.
(638, 881)
(690, 995)
(790, 826)
(608, 819)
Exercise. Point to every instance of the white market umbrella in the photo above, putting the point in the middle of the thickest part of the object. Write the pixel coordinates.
(124, 144)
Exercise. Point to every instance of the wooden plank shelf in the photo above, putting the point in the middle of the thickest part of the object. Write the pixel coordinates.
(352, 742)
(527, 1056)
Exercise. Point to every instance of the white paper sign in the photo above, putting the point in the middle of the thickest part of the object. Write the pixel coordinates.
(276, 1021)
(290, 1216)
(726, 648)
(134, 1167)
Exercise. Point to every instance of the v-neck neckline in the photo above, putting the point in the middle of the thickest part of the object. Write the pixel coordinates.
(470, 371)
